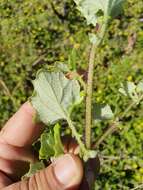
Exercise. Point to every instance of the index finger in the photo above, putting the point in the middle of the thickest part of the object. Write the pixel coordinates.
(21, 130)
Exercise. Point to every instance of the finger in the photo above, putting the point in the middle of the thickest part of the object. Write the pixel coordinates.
(21, 130)
(13, 169)
(64, 174)
(70, 145)
(12, 158)
(10, 152)
(4, 180)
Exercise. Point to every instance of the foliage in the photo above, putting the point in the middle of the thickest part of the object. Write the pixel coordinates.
(132, 90)
(54, 98)
(102, 112)
(33, 35)
(51, 145)
(91, 9)
(55, 95)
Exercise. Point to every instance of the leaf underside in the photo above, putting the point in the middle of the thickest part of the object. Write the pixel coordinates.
(54, 96)
(131, 90)
(91, 8)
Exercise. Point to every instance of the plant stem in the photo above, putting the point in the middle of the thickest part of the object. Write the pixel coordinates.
(77, 136)
(80, 79)
(88, 121)
(89, 89)
(138, 187)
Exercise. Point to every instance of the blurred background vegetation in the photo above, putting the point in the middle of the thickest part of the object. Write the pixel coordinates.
(34, 34)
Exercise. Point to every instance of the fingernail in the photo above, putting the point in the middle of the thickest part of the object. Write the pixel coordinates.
(66, 171)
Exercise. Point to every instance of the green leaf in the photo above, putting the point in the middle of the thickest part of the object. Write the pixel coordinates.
(54, 96)
(90, 9)
(62, 67)
(72, 59)
(89, 154)
(34, 167)
(47, 144)
(51, 144)
(140, 87)
(129, 89)
(58, 146)
(102, 112)
(93, 38)
(115, 7)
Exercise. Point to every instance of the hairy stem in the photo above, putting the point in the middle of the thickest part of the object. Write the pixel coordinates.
(88, 115)
(88, 119)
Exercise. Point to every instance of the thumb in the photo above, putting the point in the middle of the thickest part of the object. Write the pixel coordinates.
(64, 174)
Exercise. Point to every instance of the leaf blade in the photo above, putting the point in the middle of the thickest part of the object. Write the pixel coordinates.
(90, 9)
(58, 147)
(47, 143)
(54, 95)
(102, 112)
(51, 144)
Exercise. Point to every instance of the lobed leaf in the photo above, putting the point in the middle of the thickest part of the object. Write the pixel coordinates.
(129, 89)
(90, 9)
(54, 96)
(132, 91)
(54, 99)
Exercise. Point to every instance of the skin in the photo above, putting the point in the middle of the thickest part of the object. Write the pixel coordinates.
(16, 139)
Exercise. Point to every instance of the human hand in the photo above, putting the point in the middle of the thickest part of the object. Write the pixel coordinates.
(16, 139)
